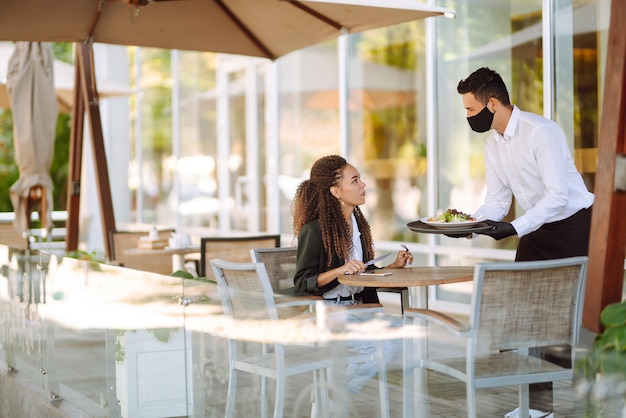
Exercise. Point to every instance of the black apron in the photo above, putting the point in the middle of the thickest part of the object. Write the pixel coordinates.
(566, 238)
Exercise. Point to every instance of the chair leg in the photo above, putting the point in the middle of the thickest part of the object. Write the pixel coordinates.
(320, 393)
(232, 393)
(471, 399)
(280, 396)
(263, 397)
(524, 402)
(382, 383)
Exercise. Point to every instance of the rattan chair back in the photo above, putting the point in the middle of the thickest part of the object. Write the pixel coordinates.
(123, 240)
(522, 305)
(280, 264)
(233, 249)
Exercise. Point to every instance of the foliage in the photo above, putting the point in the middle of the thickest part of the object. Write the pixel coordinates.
(608, 354)
(603, 369)
(182, 274)
(94, 256)
(186, 275)
(8, 169)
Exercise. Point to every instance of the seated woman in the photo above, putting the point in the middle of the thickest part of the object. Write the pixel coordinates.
(334, 239)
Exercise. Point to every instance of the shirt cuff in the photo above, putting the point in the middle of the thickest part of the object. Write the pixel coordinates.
(522, 227)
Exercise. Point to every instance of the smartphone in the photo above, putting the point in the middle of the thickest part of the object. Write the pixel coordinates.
(388, 273)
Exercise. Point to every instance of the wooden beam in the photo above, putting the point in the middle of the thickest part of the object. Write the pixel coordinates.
(75, 163)
(605, 273)
(90, 98)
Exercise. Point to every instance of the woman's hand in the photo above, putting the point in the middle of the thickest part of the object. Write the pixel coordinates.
(403, 258)
(353, 267)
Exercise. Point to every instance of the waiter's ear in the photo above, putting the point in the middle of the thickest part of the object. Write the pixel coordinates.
(494, 104)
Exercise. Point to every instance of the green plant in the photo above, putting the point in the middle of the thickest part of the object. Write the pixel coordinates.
(602, 370)
(94, 256)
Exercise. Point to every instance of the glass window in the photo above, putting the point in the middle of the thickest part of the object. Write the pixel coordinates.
(387, 125)
(193, 159)
(511, 44)
(153, 145)
(308, 115)
(580, 50)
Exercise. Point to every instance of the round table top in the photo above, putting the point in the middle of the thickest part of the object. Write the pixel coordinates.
(412, 276)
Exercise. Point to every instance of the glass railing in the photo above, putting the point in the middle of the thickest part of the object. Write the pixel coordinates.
(117, 342)
(109, 340)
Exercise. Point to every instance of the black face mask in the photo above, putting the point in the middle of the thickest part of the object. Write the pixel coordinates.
(481, 122)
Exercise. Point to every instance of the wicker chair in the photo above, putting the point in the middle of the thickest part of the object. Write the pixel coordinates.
(515, 306)
(246, 295)
(235, 249)
(122, 240)
(280, 264)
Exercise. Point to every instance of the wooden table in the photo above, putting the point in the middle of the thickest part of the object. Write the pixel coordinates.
(415, 384)
(177, 254)
(418, 277)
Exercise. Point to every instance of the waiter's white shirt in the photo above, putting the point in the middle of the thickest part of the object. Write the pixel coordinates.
(532, 162)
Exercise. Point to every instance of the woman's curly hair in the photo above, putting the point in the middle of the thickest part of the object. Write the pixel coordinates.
(313, 200)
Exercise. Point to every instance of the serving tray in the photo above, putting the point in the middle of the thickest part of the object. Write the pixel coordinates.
(419, 226)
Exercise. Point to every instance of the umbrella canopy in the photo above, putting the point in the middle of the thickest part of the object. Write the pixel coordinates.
(263, 28)
(63, 82)
(30, 82)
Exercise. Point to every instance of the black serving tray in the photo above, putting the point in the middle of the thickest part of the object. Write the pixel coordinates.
(419, 226)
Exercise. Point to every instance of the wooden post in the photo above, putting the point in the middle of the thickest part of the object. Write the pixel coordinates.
(90, 99)
(605, 273)
(75, 163)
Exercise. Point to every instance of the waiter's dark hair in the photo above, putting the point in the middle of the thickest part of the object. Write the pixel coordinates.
(485, 83)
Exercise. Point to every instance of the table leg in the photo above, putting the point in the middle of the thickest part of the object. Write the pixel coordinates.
(178, 262)
(404, 299)
(415, 380)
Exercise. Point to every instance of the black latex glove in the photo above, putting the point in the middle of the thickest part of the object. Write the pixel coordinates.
(500, 230)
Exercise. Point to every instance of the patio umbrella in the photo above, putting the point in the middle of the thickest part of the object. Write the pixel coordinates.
(63, 82)
(30, 82)
(263, 28)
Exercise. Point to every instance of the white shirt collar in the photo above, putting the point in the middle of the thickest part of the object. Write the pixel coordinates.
(511, 127)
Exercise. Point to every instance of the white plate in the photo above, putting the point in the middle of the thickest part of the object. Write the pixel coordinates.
(456, 225)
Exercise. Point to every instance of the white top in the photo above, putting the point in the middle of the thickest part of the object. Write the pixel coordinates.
(344, 289)
(532, 162)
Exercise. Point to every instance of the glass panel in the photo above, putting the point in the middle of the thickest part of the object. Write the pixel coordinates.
(237, 149)
(511, 45)
(119, 342)
(580, 50)
(387, 125)
(20, 322)
(308, 117)
(154, 147)
(196, 204)
(114, 338)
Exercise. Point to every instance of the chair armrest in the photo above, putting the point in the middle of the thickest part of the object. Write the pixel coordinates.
(295, 306)
(356, 309)
(283, 301)
(439, 318)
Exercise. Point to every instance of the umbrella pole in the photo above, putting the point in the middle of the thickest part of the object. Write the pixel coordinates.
(89, 98)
